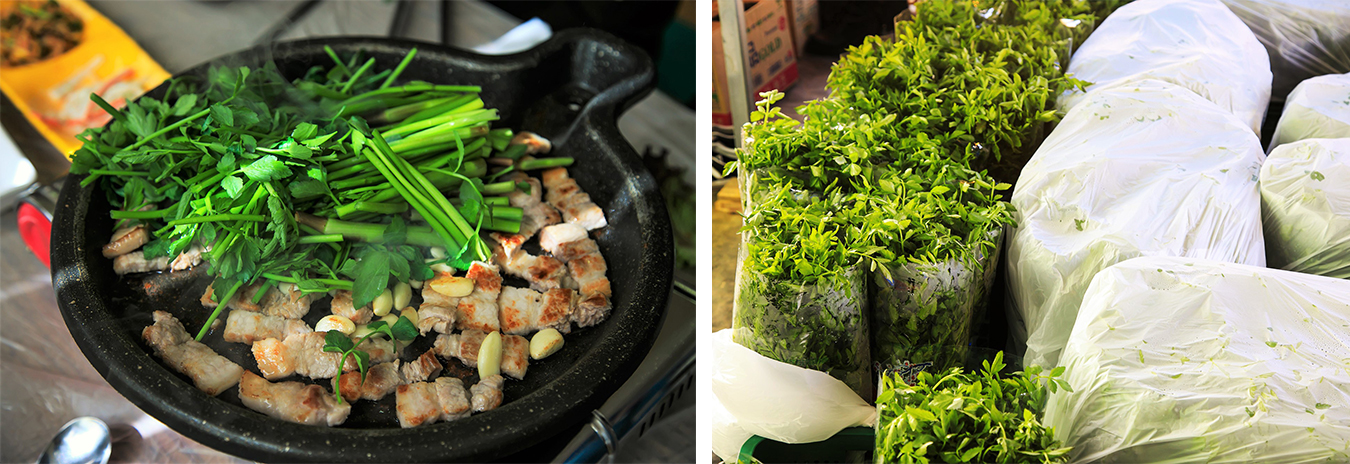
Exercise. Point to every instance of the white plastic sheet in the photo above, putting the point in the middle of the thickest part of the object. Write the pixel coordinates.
(1197, 44)
(775, 400)
(1304, 38)
(1305, 203)
(1146, 169)
(1184, 360)
(1317, 108)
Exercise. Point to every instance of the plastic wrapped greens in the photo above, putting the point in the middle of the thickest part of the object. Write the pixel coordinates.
(817, 323)
(1197, 44)
(922, 313)
(1305, 38)
(1144, 169)
(1317, 108)
(1305, 201)
(1188, 360)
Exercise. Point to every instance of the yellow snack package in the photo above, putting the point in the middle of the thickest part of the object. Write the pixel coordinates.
(54, 53)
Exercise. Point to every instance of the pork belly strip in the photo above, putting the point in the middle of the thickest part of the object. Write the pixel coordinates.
(303, 354)
(243, 326)
(515, 356)
(486, 395)
(342, 305)
(424, 367)
(574, 204)
(535, 214)
(381, 379)
(525, 311)
(135, 262)
(534, 143)
(283, 300)
(421, 403)
(210, 372)
(542, 272)
(292, 401)
(462, 346)
(586, 271)
(438, 318)
(478, 310)
(126, 240)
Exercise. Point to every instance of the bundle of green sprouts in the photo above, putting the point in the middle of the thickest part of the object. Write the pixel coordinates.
(901, 172)
(311, 182)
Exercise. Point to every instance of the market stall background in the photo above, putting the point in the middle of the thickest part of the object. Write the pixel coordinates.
(46, 381)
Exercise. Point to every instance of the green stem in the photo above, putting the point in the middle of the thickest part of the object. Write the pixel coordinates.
(399, 70)
(152, 214)
(327, 238)
(216, 313)
(166, 129)
(359, 71)
(543, 163)
(499, 188)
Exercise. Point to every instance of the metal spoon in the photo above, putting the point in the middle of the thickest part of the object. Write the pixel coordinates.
(82, 440)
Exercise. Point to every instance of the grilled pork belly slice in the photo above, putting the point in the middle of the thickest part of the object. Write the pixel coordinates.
(486, 395)
(292, 401)
(586, 271)
(303, 354)
(421, 403)
(542, 272)
(135, 262)
(454, 398)
(283, 300)
(535, 214)
(478, 311)
(438, 318)
(416, 404)
(534, 143)
(515, 356)
(246, 327)
(381, 379)
(126, 240)
(462, 346)
(575, 205)
(342, 305)
(525, 311)
(210, 372)
(424, 367)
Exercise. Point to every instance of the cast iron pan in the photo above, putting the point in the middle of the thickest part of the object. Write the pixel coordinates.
(570, 89)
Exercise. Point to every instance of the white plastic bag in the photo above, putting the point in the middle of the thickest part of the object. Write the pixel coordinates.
(776, 400)
(1197, 44)
(1319, 108)
(1185, 360)
(1144, 169)
(1304, 38)
(1305, 202)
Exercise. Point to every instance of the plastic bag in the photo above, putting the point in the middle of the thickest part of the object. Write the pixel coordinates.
(922, 315)
(1305, 200)
(776, 400)
(1304, 38)
(1197, 44)
(1319, 108)
(1144, 169)
(1187, 360)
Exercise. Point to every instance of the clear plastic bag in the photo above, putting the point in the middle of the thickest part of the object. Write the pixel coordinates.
(1305, 200)
(1139, 169)
(1188, 360)
(1304, 38)
(1319, 108)
(1197, 44)
(922, 315)
(760, 396)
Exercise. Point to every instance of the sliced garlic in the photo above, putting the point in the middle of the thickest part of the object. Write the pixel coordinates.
(438, 252)
(335, 322)
(402, 294)
(545, 343)
(415, 284)
(490, 355)
(442, 268)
